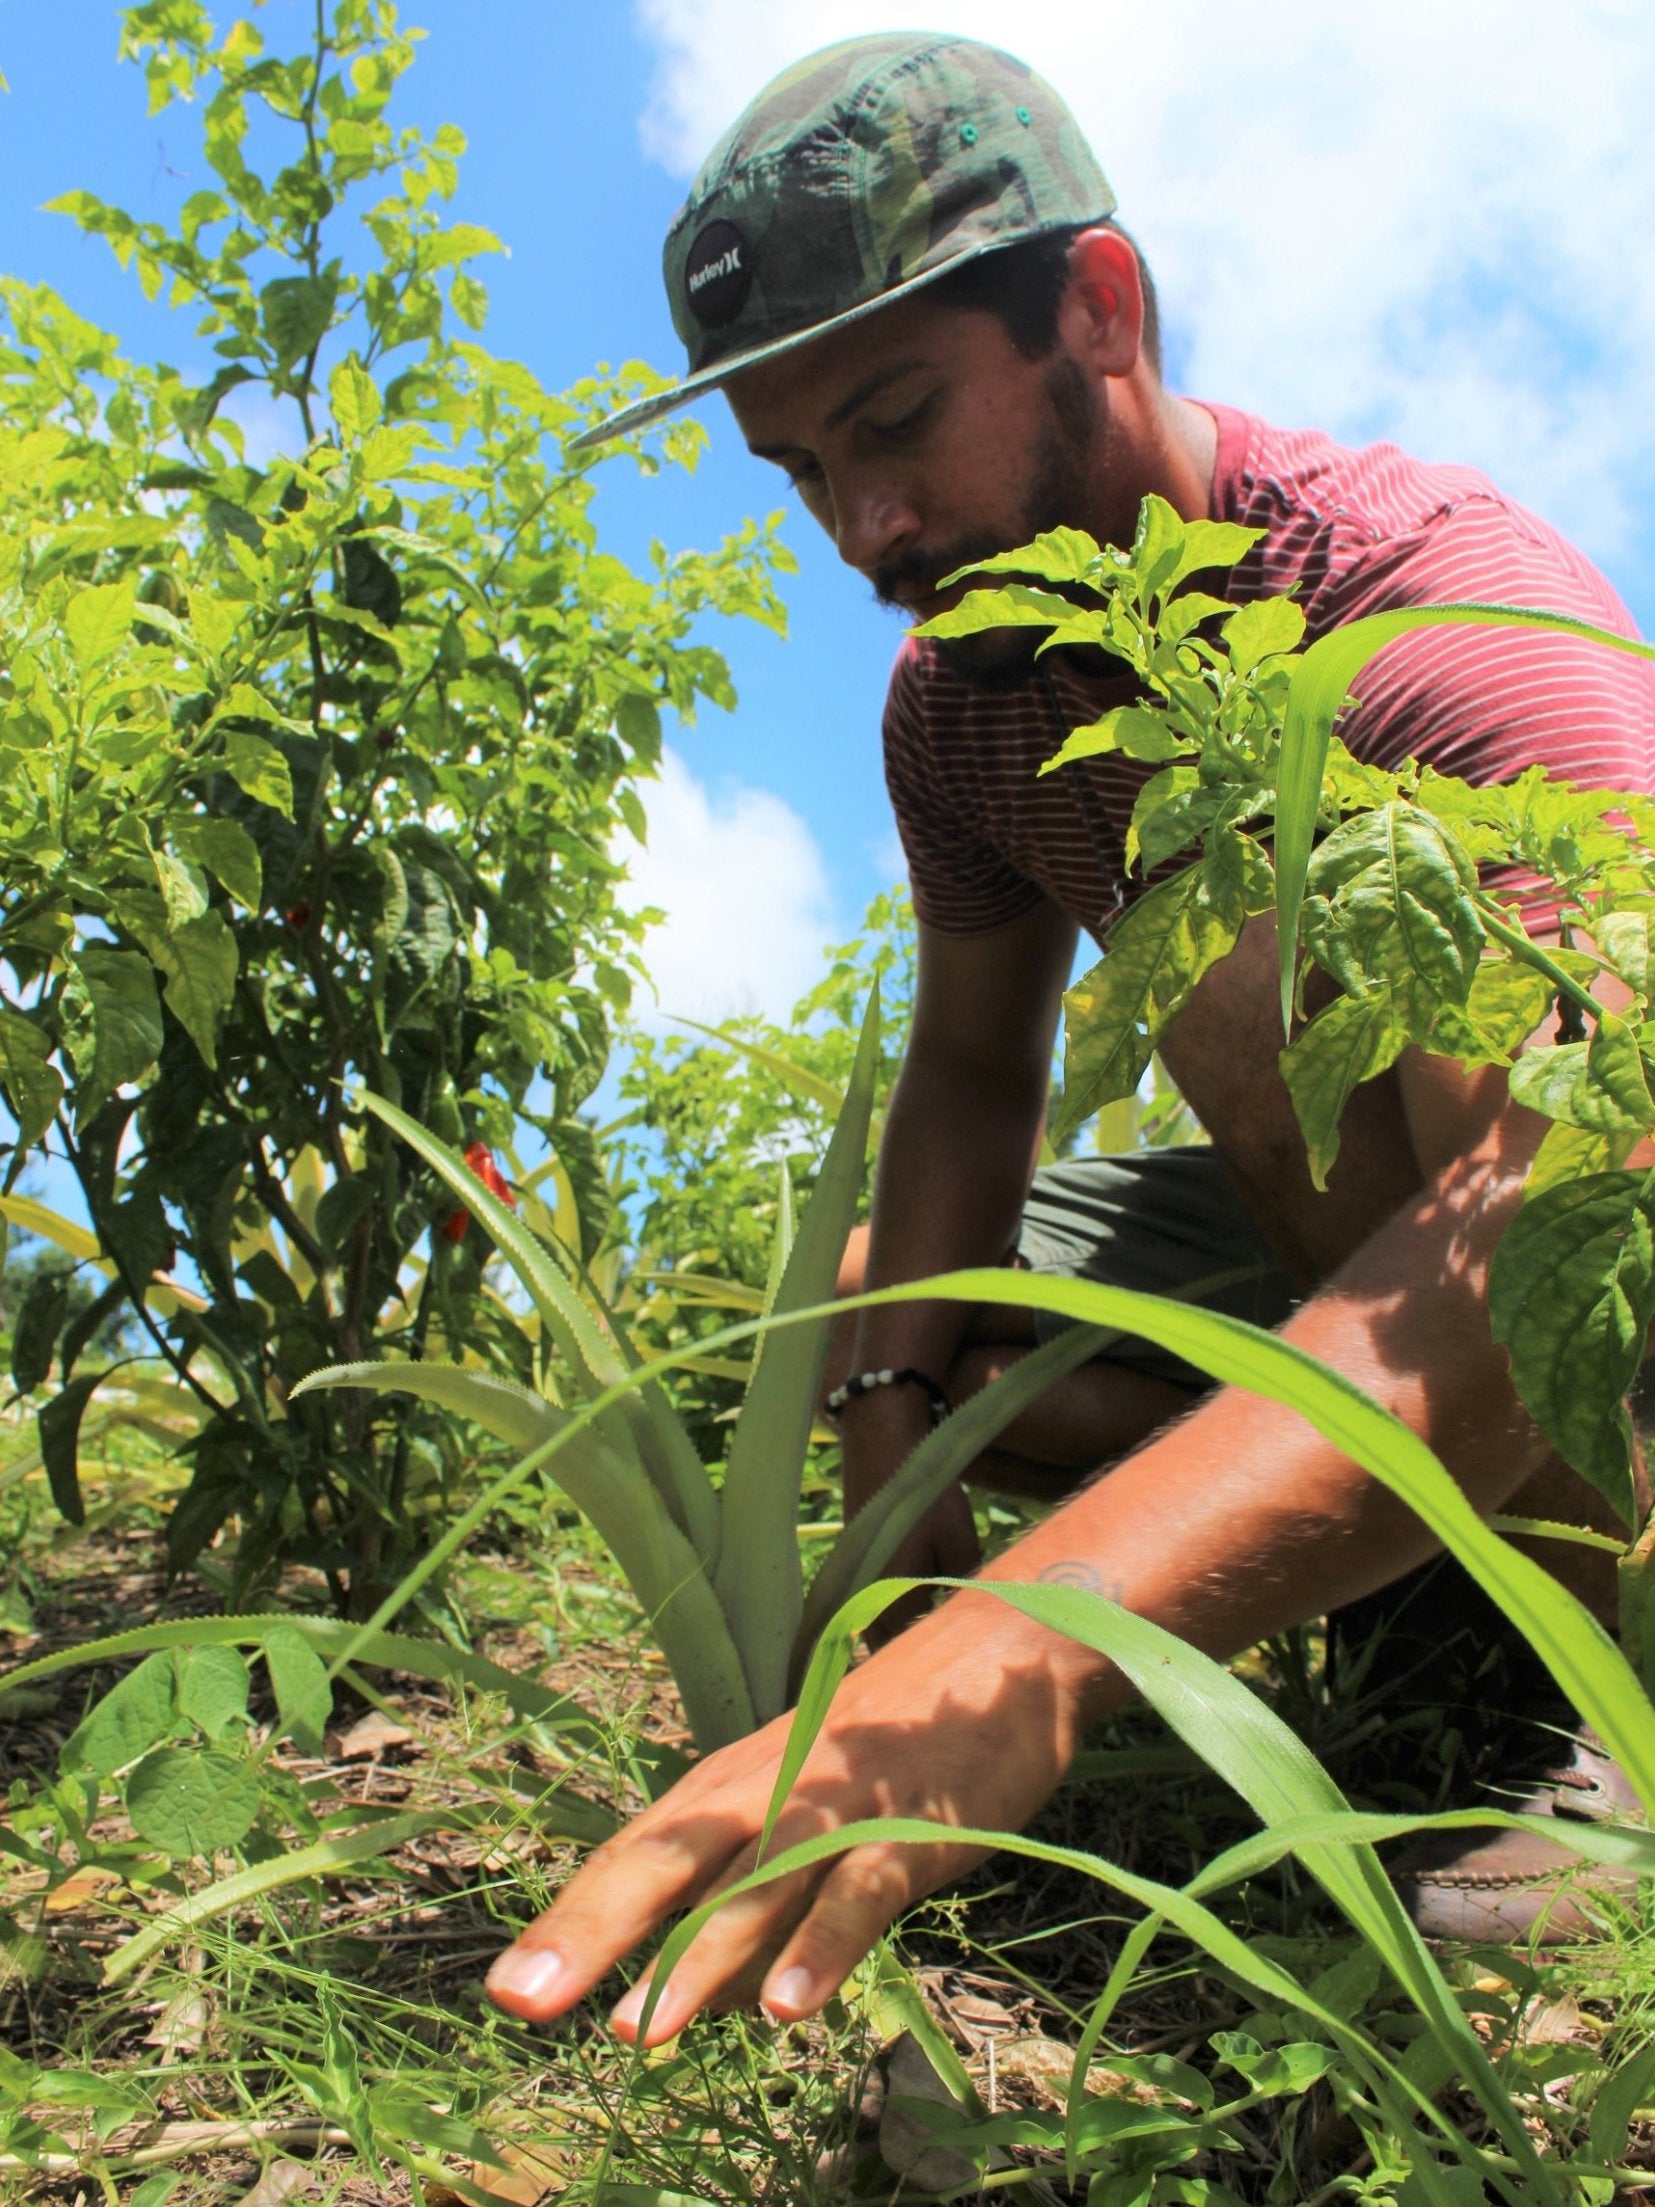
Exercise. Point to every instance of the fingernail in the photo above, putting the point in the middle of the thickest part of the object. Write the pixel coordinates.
(528, 1973)
(631, 2005)
(792, 1990)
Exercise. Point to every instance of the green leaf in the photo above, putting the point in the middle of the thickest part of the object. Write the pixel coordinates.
(192, 1803)
(295, 312)
(1506, 1004)
(59, 1424)
(1154, 956)
(213, 1684)
(224, 849)
(1132, 730)
(1566, 1152)
(200, 964)
(36, 1328)
(1571, 1293)
(257, 767)
(1389, 904)
(1056, 555)
(353, 398)
(304, 1692)
(1320, 684)
(112, 1022)
(137, 1711)
(1014, 606)
(1261, 630)
(1627, 940)
(97, 623)
(1601, 1086)
(1347, 1043)
(32, 1085)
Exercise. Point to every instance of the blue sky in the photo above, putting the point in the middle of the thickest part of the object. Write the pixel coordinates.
(1423, 222)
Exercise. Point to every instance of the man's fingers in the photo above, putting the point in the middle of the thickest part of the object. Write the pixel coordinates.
(727, 1960)
(859, 1899)
(613, 1903)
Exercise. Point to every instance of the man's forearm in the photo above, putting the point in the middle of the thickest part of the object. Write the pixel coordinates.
(954, 1169)
(1241, 1519)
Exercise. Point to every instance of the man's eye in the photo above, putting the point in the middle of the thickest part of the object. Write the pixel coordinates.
(802, 474)
(906, 425)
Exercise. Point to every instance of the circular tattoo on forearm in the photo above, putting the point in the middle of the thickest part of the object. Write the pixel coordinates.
(1083, 1576)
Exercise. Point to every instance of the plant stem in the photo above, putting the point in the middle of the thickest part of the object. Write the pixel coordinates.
(1531, 954)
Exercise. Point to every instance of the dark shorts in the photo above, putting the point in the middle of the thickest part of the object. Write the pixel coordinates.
(1160, 1220)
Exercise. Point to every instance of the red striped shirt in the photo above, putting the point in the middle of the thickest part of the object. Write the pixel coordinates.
(1349, 533)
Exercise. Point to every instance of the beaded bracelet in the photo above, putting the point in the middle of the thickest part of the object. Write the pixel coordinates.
(864, 1383)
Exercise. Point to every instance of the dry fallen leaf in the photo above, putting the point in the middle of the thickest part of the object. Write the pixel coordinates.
(372, 1737)
(531, 2174)
(80, 1889)
(280, 2182)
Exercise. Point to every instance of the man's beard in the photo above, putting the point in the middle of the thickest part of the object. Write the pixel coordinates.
(1003, 658)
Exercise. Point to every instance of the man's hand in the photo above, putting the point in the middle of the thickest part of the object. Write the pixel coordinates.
(880, 1430)
(970, 1718)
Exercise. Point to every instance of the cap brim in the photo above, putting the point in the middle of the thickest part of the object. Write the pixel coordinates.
(643, 411)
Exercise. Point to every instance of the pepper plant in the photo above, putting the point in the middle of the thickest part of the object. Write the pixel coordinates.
(309, 763)
(1377, 880)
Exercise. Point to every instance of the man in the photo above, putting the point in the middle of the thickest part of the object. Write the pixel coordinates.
(900, 266)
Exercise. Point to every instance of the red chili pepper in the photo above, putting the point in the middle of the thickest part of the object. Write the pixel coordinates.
(480, 1158)
(298, 916)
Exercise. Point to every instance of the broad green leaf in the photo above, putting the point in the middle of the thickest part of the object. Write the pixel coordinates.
(1259, 631)
(1601, 1086)
(1566, 1152)
(295, 312)
(138, 1710)
(1172, 814)
(1347, 1043)
(192, 1802)
(112, 1021)
(1320, 684)
(1627, 940)
(1056, 555)
(1014, 606)
(353, 399)
(758, 1578)
(224, 849)
(32, 1084)
(97, 622)
(304, 1693)
(1390, 903)
(1156, 953)
(1571, 1294)
(258, 768)
(1506, 1004)
(200, 962)
(213, 1685)
(1132, 730)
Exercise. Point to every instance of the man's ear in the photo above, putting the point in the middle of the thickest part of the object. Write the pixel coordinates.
(1103, 309)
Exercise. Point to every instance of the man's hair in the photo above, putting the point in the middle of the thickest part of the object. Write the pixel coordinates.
(1023, 286)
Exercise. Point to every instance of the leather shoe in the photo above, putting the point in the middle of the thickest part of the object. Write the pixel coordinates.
(1513, 1888)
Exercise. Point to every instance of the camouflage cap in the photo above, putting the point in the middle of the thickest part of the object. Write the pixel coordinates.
(861, 173)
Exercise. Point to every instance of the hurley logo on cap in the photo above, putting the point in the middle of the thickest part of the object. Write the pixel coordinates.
(717, 275)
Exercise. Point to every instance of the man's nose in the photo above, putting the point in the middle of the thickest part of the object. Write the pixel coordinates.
(873, 526)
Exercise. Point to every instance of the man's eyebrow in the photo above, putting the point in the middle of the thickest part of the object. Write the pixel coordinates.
(869, 388)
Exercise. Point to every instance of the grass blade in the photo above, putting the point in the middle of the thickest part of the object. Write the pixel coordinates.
(798, 1080)
(1320, 684)
(759, 1582)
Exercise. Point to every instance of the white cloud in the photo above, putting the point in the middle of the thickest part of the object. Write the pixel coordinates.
(745, 891)
(1429, 221)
